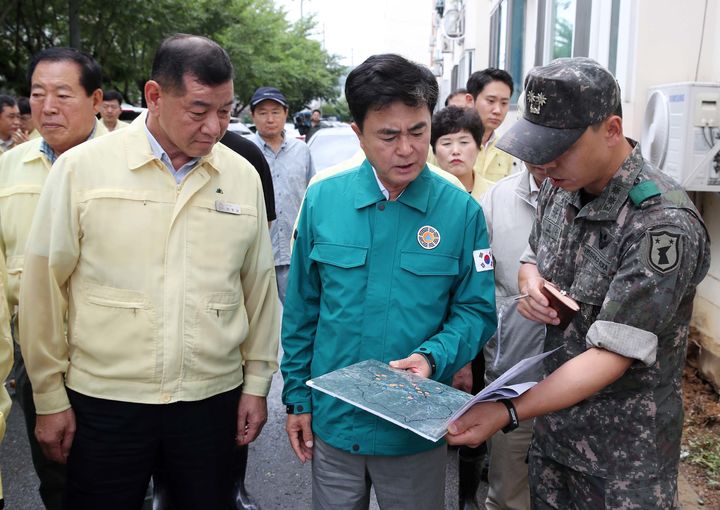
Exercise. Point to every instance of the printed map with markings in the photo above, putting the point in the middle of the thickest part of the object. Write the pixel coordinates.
(421, 405)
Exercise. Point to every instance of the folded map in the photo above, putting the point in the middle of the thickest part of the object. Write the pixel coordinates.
(421, 405)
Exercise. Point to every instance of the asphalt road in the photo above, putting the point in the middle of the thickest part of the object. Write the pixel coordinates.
(275, 477)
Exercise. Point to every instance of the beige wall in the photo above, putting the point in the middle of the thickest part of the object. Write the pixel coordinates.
(667, 45)
(667, 49)
(662, 46)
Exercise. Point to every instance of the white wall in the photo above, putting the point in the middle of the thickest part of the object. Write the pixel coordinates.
(667, 45)
(668, 50)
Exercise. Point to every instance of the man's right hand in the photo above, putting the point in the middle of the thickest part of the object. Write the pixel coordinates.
(55, 433)
(19, 136)
(299, 430)
(535, 306)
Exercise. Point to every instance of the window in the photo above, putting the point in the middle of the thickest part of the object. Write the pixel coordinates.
(507, 26)
(464, 68)
(561, 24)
(563, 29)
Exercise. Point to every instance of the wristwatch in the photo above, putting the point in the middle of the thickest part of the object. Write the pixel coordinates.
(514, 422)
(430, 361)
(295, 409)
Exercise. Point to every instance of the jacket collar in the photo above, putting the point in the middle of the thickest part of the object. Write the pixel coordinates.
(33, 151)
(367, 191)
(607, 206)
(139, 152)
(34, 144)
(526, 188)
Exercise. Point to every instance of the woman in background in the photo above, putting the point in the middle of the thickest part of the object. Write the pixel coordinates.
(456, 140)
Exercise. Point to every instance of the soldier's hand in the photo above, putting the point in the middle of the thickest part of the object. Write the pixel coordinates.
(299, 431)
(533, 305)
(55, 434)
(252, 415)
(479, 423)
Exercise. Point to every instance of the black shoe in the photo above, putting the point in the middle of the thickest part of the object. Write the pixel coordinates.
(469, 477)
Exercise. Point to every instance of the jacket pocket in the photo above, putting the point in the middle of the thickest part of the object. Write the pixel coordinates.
(15, 266)
(222, 326)
(339, 255)
(114, 334)
(429, 264)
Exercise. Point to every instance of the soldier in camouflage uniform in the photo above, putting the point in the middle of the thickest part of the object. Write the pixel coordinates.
(627, 244)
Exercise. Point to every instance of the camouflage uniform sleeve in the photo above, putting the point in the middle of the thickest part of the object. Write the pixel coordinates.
(663, 260)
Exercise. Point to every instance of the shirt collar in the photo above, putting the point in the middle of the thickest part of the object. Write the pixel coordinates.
(262, 143)
(160, 153)
(51, 155)
(370, 191)
(491, 140)
(383, 189)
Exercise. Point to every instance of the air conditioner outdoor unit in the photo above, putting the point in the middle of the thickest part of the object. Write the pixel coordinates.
(681, 133)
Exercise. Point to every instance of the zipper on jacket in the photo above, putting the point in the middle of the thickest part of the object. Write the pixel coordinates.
(497, 339)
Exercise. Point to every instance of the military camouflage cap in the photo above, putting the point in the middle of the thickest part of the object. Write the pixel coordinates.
(562, 99)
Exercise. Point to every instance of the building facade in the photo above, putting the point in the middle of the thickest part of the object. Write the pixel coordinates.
(645, 43)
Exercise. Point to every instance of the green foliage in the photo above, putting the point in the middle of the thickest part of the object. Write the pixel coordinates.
(123, 36)
(339, 109)
(705, 452)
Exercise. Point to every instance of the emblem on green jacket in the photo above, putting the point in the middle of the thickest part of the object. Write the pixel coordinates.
(428, 237)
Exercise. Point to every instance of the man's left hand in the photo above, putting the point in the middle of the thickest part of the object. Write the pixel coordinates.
(415, 363)
(252, 415)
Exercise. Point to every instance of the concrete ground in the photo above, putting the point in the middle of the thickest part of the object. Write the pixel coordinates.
(275, 477)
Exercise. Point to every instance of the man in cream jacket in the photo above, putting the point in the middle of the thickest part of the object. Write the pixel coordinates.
(154, 241)
(65, 89)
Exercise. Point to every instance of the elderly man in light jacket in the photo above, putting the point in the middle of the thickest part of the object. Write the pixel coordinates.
(154, 241)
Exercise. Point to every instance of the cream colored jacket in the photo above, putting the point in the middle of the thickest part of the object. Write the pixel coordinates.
(6, 357)
(169, 290)
(23, 171)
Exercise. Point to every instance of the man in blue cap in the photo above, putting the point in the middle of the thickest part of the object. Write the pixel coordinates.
(291, 168)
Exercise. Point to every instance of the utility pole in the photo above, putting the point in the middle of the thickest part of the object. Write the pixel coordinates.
(74, 23)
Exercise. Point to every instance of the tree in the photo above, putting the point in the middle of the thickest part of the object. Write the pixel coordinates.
(267, 51)
(123, 36)
(339, 109)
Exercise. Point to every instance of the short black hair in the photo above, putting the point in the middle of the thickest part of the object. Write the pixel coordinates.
(453, 94)
(24, 105)
(198, 56)
(112, 95)
(6, 101)
(454, 119)
(385, 79)
(477, 81)
(90, 71)
(317, 110)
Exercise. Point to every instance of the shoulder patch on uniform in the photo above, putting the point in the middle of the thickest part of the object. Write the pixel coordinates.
(641, 192)
(664, 250)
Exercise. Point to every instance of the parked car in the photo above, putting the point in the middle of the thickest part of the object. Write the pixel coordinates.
(292, 131)
(333, 145)
(238, 127)
(129, 112)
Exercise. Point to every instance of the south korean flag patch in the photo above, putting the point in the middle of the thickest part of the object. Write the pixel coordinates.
(664, 251)
(483, 260)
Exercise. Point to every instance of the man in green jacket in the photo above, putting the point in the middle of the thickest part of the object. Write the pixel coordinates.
(391, 262)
